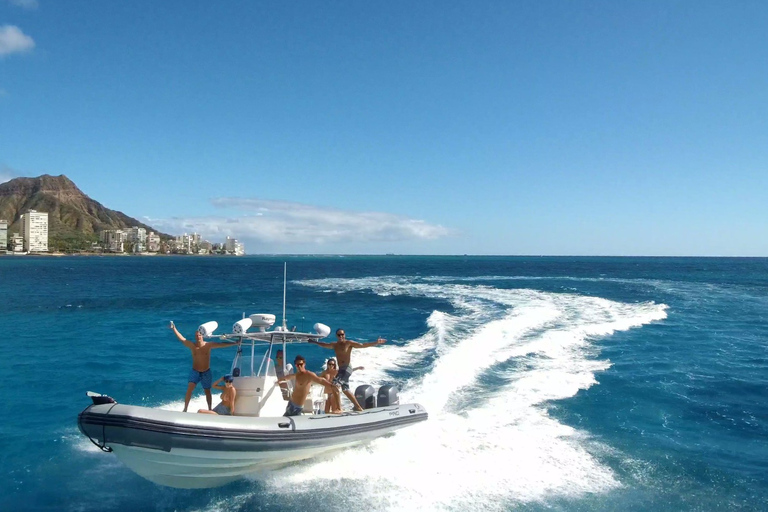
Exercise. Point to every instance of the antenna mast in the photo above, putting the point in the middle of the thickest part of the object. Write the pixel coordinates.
(285, 277)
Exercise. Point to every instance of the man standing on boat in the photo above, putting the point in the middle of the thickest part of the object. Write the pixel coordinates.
(201, 364)
(304, 379)
(343, 348)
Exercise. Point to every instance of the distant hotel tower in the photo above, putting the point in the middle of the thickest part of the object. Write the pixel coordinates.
(3, 236)
(34, 225)
(232, 246)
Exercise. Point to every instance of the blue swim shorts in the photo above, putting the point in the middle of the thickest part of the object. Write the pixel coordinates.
(204, 377)
(293, 410)
(222, 410)
(342, 378)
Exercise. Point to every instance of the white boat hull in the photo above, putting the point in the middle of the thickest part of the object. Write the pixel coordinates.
(188, 450)
(191, 469)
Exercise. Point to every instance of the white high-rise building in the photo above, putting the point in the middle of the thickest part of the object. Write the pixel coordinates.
(188, 244)
(232, 246)
(113, 239)
(3, 236)
(34, 226)
(138, 236)
(17, 243)
(153, 242)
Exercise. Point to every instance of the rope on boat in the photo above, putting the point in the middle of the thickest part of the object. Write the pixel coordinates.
(103, 447)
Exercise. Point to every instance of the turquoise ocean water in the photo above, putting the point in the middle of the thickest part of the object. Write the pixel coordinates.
(551, 383)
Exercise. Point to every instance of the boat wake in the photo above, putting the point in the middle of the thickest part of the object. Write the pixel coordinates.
(486, 372)
(489, 370)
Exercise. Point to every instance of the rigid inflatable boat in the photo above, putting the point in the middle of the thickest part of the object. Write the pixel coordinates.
(190, 450)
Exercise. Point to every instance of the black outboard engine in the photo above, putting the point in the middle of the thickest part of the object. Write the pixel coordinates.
(388, 396)
(366, 396)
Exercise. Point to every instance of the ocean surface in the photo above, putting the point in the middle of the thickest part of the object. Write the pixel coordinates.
(552, 383)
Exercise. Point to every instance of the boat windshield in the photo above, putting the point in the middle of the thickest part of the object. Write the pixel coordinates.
(256, 351)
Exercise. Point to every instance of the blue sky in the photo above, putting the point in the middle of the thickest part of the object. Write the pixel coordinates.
(553, 127)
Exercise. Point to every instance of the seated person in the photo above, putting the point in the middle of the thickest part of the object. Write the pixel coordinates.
(228, 394)
(303, 379)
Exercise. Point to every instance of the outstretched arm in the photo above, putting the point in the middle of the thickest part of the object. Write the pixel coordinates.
(218, 344)
(366, 345)
(315, 378)
(287, 377)
(182, 339)
(322, 344)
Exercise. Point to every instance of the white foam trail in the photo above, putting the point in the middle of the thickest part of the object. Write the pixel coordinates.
(503, 448)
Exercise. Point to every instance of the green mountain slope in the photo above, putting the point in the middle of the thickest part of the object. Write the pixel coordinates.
(74, 219)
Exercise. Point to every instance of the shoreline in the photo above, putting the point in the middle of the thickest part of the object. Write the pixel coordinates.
(91, 254)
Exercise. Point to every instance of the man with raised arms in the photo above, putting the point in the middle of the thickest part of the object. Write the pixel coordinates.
(201, 364)
(343, 348)
(304, 379)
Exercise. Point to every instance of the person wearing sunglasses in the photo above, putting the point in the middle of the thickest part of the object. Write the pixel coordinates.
(228, 395)
(303, 380)
(343, 348)
(332, 404)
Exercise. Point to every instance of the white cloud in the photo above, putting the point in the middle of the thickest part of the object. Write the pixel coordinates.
(295, 224)
(26, 4)
(13, 40)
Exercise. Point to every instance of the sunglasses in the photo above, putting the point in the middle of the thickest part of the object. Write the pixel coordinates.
(299, 363)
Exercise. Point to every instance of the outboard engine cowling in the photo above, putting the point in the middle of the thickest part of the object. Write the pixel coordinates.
(366, 396)
(388, 396)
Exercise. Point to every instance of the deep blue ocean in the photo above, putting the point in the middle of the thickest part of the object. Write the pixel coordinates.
(552, 383)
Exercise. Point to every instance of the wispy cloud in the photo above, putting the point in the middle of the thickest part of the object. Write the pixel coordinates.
(26, 4)
(6, 173)
(13, 40)
(288, 223)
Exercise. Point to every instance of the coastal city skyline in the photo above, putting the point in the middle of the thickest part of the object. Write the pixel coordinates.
(33, 239)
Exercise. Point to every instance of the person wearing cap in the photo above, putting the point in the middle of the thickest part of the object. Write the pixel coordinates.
(201, 364)
(228, 394)
(304, 379)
